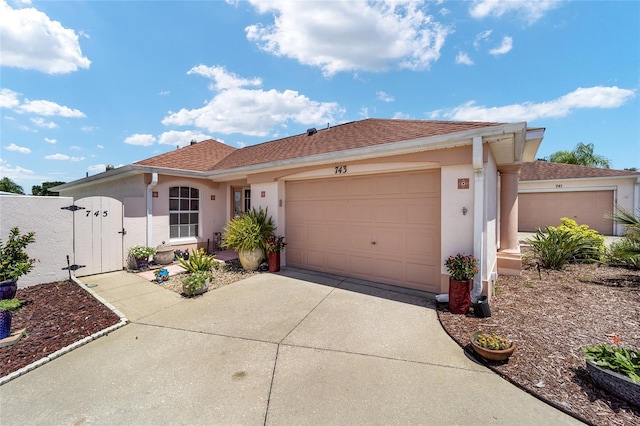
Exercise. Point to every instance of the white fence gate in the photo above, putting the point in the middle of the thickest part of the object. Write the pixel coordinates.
(98, 233)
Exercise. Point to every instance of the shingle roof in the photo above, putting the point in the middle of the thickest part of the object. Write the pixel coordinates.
(199, 157)
(357, 134)
(543, 170)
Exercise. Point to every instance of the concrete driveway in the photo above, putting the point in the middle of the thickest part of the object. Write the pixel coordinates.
(291, 348)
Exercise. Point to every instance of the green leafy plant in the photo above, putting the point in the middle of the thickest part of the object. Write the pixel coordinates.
(462, 267)
(141, 251)
(249, 231)
(625, 252)
(275, 244)
(615, 358)
(195, 282)
(14, 261)
(556, 247)
(199, 261)
(492, 341)
(593, 239)
(9, 305)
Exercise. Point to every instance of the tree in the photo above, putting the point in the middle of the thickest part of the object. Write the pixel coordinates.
(44, 189)
(582, 155)
(7, 185)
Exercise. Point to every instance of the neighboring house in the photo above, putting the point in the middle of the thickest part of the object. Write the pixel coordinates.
(549, 191)
(382, 200)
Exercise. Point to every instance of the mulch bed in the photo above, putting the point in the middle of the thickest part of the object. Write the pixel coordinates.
(55, 315)
(550, 316)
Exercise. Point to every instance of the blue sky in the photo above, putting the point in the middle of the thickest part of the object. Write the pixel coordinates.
(89, 83)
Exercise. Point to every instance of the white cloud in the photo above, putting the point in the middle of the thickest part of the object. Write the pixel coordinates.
(100, 146)
(15, 173)
(97, 168)
(401, 116)
(364, 112)
(49, 140)
(384, 97)
(176, 138)
(528, 10)
(505, 47)
(481, 37)
(48, 108)
(164, 93)
(463, 58)
(89, 129)
(31, 40)
(253, 112)
(40, 122)
(8, 98)
(583, 97)
(15, 148)
(140, 139)
(63, 157)
(75, 148)
(349, 36)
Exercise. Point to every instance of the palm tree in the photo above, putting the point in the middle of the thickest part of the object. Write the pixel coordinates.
(7, 185)
(582, 155)
(629, 249)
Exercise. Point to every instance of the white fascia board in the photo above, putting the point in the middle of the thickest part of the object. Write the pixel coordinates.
(449, 140)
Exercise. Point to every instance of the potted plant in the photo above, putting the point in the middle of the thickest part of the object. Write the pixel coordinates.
(275, 244)
(616, 369)
(462, 268)
(491, 346)
(196, 283)
(141, 255)
(248, 234)
(6, 307)
(14, 261)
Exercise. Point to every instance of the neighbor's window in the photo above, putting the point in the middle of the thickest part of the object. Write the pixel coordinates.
(184, 207)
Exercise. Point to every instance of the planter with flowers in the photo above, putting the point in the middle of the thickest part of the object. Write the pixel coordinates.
(616, 369)
(462, 269)
(6, 307)
(14, 261)
(491, 346)
(275, 244)
(140, 253)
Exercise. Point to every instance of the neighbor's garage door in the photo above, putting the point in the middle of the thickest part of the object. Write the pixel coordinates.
(541, 209)
(383, 228)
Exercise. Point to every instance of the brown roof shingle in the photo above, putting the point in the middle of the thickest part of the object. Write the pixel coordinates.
(544, 170)
(356, 134)
(199, 157)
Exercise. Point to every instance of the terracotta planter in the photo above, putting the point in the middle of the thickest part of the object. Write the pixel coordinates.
(491, 354)
(5, 324)
(8, 289)
(274, 261)
(459, 296)
(250, 260)
(616, 384)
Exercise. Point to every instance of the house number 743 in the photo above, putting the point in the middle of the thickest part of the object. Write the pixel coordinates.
(341, 170)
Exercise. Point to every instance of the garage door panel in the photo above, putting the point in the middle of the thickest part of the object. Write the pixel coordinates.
(403, 219)
(539, 210)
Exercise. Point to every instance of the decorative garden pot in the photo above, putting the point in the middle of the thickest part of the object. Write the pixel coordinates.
(201, 290)
(491, 354)
(164, 254)
(5, 324)
(616, 384)
(8, 289)
(274, 261)
(142, 263)
(459, 296)
(250, 260)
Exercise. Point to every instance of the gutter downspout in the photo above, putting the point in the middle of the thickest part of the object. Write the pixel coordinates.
(478, 216)
(152, 184)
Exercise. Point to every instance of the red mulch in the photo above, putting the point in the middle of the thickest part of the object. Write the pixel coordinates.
(55, 315)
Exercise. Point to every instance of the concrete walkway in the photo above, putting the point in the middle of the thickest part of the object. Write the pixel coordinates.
(275, 349)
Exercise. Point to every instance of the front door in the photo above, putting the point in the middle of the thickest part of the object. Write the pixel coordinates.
(240, 200)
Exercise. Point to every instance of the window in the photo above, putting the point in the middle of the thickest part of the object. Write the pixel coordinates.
(184, 208)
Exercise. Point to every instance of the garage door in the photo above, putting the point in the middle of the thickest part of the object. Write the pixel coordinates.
(541, 209)
(383, 228)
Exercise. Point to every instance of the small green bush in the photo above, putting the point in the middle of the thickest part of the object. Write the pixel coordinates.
(195, 282)
(555, 248)
(621, 253)
(591, 237)
(199, 261)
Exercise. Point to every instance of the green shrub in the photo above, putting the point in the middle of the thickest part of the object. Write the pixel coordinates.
(195, 282)
(624, 253)
(591, 237)
(249, 231)
(619, 359)
(199, 261)
(555, 248)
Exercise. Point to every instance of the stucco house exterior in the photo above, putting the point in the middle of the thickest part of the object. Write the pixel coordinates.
(376, 199)
(549, 191)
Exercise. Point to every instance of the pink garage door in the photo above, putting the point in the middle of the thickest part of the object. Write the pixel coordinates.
(542, 209)
(383, 228)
